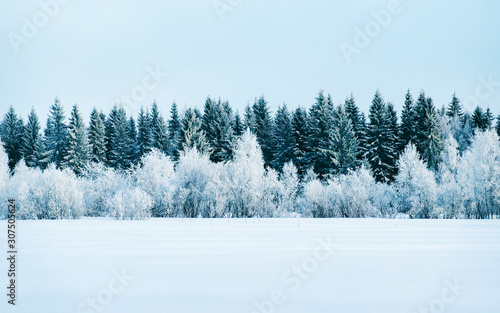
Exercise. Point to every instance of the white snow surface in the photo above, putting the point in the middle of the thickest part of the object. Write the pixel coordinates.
(236, 265)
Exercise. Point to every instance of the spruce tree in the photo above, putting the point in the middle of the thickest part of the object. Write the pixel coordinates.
(192, 136)
(454, 108)
(285, 141)
(133, 147)
(379, 154)
(238, 126)
(159, 130)
(408, 120)
(32, 140)
(394, 144)
(320, 123)
(249, 119)
(56, 137)
(488, 119)
(218, 129)
(478, 120)
(264, 130)
(109, 128)
(358, 125)
(77, 154)
(174, 131)
(144, 132)
(11, 133)
(96, 136)
(300, 133)
(430, 135)
(342, 148)
(119, 153)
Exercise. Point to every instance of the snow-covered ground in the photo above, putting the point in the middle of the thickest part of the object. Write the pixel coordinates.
(256, 265)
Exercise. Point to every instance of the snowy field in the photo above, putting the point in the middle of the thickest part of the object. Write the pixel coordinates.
(256, 265)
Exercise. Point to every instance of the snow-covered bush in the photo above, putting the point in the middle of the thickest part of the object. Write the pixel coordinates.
(155, 176)
(130, 204)
(415, 185)
(101, 183)
(479, 177)
(200, 186)
(384, 199)
(51, 194)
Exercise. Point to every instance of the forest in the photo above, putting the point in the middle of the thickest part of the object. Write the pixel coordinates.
(324, 161)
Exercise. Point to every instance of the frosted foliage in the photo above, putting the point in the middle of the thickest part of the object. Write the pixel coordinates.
(130, 204)
(479, 177)
(51, 194)
(155, 176)
(415, 185)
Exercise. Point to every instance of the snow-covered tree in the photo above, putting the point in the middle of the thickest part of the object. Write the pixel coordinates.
(300, 133)
(479, 176)
(285, 141)
(130, 204)
(238, 126)
(11, 133)
(77, 153)
(448, 189)
(156, 177)
(32, 140)
(159, 130)
(379, 143)
(192, 136)
(96, 135)
(218, 129)
(454, 108)
(55, 137)
(415, 184)
(144, 132)
(174, 131)
(358, 125)
(408, 120)
(264, 129)
(245, 175)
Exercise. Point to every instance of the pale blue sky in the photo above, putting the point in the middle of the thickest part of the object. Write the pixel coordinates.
(93, 52)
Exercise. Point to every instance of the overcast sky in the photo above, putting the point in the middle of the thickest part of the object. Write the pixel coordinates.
(97, 52)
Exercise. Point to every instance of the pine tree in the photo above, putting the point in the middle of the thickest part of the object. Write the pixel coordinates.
(320, 123)
(77, 154)
(119, 153)
(379, 153)
(32, 140)
(11, 133)
(133, 147)
(408, 120)
(488, 119)
(342, 147)
(192, 136)
(264, 130)
(393, 136)
(430, 135)
(358, 125)
(159, 130)
(109, 128)
(174, 131)
(478, 120)
(96, 136)
(455, 108)
(285, 141)
(56, 137)
(300, 132)
(249, 119)
(238, 126)
(218, 130)
(144, 132)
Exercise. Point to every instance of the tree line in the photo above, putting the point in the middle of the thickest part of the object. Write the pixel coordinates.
(330, 139)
